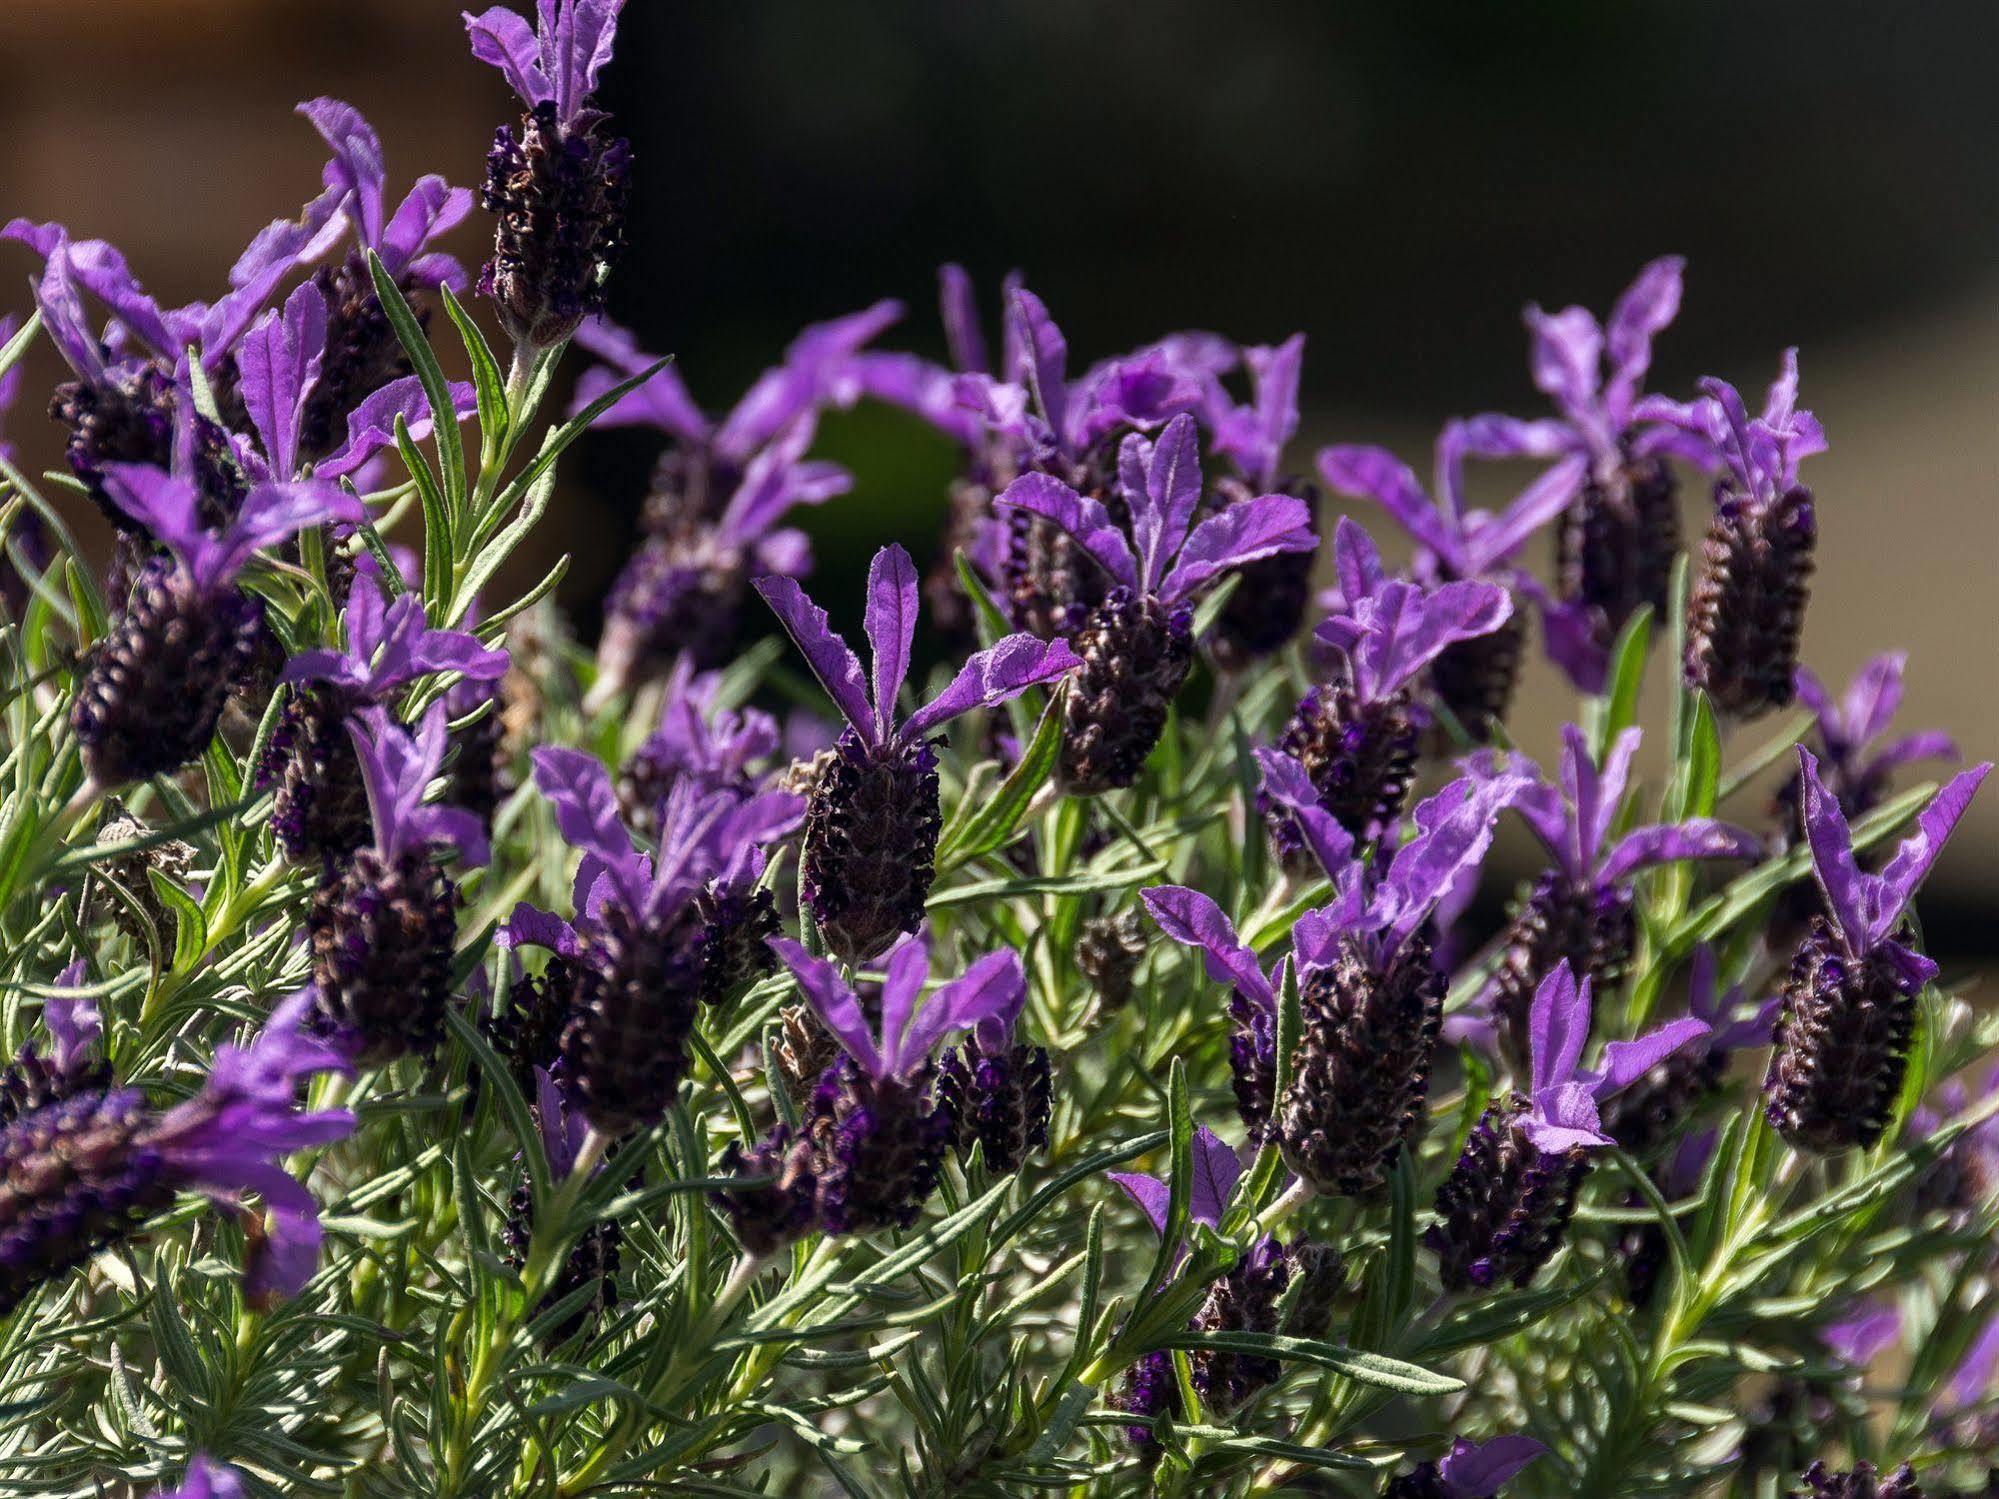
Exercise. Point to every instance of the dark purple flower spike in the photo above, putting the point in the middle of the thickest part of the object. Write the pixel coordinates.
(868, 1154)
(1371, 994)
(700, 743)
(996, 1091)
(1470, 1470)
(559, 182)
(1862, 1481)
(1849, 1005)
(1580, 910)
(1474, 678)
(382, 925)
(1137, 645)
(157, 683)
(37, 1078)
(1356, 737)
(1747, 611)
(90, 1168)
(320, 808)
(652, 936)
(1503, 1210)
(1617, 542)
(872, 823)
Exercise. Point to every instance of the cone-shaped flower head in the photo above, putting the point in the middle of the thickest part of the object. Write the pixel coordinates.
(559, 183)
(1747, 611)
(997, 1092)
(701, 741)
(86, 1170)
(1862, 1481)
(1356, 737)
(871, 827)
(321, 807)
(382, 925)
(1580, 910)
(1470, 1470)
(1475, 677)
(876, 1139)
(1849, 1006)
(1502, 1211)
(647, 936)
(38, 1078)
(1371, 997)
(1618, 539)
(158, 681)
(1137, 645)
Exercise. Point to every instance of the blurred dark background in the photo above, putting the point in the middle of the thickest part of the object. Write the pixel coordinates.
(1394, 179)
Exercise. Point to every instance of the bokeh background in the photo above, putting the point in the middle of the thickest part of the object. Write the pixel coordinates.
(1395, 179)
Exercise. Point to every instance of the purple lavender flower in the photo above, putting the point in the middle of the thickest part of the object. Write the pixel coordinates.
(88, 1169)
(644, 939)
(871, 826)
(719, 491)
(1853, 763)
(697, 741)
(873, 1141)
(1580, 910)
(1503, 1210)
(1470, 1470)
(1849, 1005)
(1371, 995)
(206, 1479)
(1864, 1331)
(1747, 611)
(35, 1079)
(1473, 678)
(559, 183)
(1247, 1298)
(997, 1092)
(1356, 736)
(321, 806)
(1963, 1415)
(382, 926)
(1617, 542)
(1862, 1481)
(157, 683)
(1137, 645)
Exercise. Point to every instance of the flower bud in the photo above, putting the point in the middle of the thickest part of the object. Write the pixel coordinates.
(1503, 1210)
(1842, 1046)
(1615, 547)
(1137, 652)
(381, 930)
(871, 831)
(1360, 756)
(1747, 612)
(998, 1100)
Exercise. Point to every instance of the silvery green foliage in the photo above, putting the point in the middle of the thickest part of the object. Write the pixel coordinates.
(1704, 1323)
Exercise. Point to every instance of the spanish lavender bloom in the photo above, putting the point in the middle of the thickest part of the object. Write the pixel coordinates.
(382, 925)
(698, 741)
(1580, 910)
(1502, 1212)
(1963, 1415)
(362, 353)
(1370, 993)
(1853, 763)
(1747, 611)
(157, 683)
(644, 940)
(85, 1171)
(997, 1092)
(559, 182)
(206, 1479)
(1617, 542)
(1652, 1110)
(321, 805)
(1473, 678)
(1850, 1003)
(1860, 1482)
(593, 1259)
(874, 1140)
(1247, 1298)
(34, 1080)
(1356, 736)
(1864, 1332)
(1470, 1470)
(1137, 646)
(872, 823)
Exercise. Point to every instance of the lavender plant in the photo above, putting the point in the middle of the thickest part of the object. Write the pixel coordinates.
(463, 1062)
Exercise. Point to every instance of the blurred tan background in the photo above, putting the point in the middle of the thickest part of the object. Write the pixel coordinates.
(1396, 180)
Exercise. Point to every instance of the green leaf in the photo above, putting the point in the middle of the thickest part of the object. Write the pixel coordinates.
(487, 381)
(190, 926)
(439, 528)
(1087, 883)
(1180, 1180)
(561, 437)
(436, 389)
(1617, 709)
(1375, 1369)
(995, 821)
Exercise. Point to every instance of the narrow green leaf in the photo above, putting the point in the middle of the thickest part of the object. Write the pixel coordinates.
(1375, 1369)
(1000, 815)
(436, 389)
